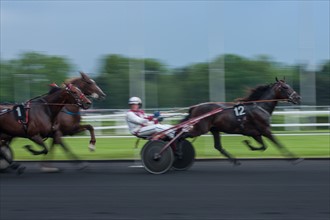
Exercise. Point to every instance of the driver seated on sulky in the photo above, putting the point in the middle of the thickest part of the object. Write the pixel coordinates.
(143, 125)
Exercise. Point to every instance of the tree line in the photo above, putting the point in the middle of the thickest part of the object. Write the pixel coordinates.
(29, 75)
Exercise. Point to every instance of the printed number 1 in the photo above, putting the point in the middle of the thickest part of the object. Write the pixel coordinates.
(239, 110)
(19, 113)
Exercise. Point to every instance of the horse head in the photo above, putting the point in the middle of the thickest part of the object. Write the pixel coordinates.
(80, 98)
(284, 91)
(88, 86)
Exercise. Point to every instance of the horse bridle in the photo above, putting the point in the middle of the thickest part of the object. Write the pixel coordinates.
(290, 97)
(92, 82)
(77, 98)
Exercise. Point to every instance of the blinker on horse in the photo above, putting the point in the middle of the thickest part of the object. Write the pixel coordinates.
(42, 112)
(250, 117)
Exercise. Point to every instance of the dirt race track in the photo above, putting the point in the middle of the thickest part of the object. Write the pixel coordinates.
(258, 189)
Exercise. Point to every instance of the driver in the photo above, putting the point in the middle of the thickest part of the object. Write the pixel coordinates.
(142, 125)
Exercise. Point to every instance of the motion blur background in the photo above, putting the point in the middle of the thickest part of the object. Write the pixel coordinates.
(170, 53)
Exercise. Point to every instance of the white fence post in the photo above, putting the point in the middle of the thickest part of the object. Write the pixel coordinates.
(291, 119)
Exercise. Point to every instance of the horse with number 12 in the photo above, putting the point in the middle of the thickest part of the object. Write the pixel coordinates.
(249, 117)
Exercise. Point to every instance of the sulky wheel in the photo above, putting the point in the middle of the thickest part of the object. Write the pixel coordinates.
(5, 152)
(154, 162)
(184, 155)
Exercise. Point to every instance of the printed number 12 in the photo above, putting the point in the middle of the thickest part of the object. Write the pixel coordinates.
(239, 110)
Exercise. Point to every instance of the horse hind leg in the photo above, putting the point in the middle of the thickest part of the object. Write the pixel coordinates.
(38, 140)
(259, 140)
(72, 156)
(57, 139)
(218, 146)
(291, 156)
(13, 165)
(46, 165)
(35, 152)
(80, 165)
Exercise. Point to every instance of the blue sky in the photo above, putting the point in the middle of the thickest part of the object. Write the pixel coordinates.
(178, 33)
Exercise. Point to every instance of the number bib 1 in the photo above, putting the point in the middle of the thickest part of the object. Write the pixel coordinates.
(19, 112)
(239, 111)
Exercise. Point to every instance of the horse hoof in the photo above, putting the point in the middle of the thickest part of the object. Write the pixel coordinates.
(91, 147)
(237, 163)
(82, 166)
(14, 166)
(49, 169)
(297, 160)
(20, 170)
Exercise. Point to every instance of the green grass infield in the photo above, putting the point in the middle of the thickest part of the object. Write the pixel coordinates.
(123, 148)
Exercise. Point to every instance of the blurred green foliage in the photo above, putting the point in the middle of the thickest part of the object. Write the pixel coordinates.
(29, 74)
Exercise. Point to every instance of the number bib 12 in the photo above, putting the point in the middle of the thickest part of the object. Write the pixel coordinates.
(239, 111)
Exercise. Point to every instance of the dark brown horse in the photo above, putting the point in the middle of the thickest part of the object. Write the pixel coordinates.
(39, 116)
(68, 120)
(251, 117)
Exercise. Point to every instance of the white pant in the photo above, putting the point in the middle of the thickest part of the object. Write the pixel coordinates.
(152, 129)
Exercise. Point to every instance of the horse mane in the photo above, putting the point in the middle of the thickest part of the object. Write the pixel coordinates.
(72, 80)
(53, 90)
(255, 93)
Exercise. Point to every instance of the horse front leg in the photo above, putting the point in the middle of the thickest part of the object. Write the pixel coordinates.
(259, 140)
(90, 128)
(283, 149)
(218, 146)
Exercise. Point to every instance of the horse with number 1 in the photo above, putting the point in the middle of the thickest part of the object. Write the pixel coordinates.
(69, 118)
(40, 114)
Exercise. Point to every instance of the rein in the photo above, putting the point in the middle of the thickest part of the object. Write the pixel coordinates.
(52, 104)
(245, 102)
(5, 112)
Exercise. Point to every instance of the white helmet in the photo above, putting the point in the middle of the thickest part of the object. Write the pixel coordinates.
(134, 100)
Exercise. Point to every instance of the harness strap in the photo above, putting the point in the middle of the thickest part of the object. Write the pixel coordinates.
(263, 110)
(25, 119)
(66, 111)
(5, 111)
(240, 112)
(47, 105)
